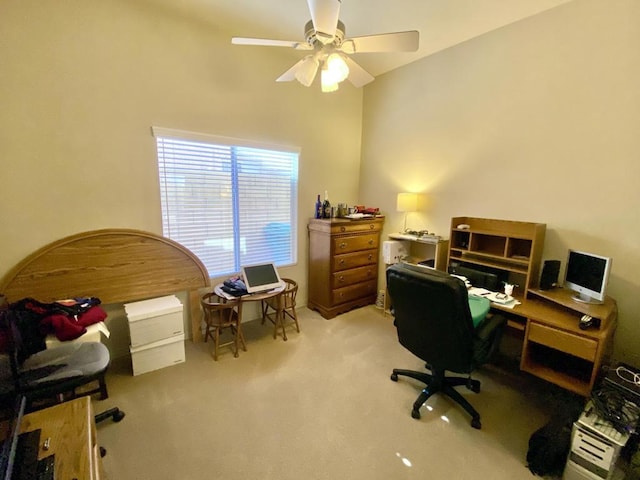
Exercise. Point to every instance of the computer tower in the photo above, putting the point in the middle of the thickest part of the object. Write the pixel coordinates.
(394, 251)
(595, 447)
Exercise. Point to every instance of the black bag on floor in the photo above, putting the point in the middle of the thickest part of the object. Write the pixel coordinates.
(548, 448)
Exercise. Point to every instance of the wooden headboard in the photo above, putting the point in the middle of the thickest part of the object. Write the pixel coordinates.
(114, 265)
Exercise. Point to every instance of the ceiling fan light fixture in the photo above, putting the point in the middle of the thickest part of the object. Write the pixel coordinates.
(337, 67)
(324, 36)
(307, 70)
(328, 82)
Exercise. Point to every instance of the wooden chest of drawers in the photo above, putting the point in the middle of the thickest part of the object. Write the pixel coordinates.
(343, 264)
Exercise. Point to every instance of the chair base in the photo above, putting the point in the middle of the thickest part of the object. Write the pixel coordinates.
(438, 382)
(114, 413)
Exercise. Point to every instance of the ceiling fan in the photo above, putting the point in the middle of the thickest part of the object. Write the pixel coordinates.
(324, 38)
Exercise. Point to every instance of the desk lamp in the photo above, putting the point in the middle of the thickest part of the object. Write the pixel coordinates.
(407, 202)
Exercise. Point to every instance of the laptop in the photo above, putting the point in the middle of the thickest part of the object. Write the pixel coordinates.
(261, 278)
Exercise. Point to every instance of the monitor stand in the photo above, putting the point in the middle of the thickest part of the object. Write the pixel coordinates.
(584, 298)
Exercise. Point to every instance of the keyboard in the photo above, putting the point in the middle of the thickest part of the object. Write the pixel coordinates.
(46, 468)
(26, 464)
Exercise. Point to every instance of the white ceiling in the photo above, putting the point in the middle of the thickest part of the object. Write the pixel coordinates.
(441, 23)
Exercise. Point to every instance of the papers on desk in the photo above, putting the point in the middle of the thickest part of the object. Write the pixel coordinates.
(479, 292)
(358, 216)
(494, 297)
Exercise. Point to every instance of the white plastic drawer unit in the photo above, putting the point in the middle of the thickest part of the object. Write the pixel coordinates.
(154, 319)
(156, 355)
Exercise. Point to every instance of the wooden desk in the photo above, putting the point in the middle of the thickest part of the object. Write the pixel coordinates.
(420, 249)
(554, 348)
(72, 430)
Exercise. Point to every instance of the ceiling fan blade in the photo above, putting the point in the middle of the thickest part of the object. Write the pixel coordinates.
(271, 43)
(324, 15)
(358, 76)
(384, 42)
(304, 71)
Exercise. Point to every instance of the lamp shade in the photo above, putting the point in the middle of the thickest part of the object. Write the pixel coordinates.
(407, 202)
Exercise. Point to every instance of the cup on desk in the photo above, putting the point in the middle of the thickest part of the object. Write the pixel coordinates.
(508, 289)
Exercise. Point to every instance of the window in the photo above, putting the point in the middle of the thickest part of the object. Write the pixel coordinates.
(231, 202)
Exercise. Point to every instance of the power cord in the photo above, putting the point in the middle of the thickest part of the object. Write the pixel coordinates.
(611, 405)
(628, 376)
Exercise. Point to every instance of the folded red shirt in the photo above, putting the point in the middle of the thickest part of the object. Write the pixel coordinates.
(67, 327)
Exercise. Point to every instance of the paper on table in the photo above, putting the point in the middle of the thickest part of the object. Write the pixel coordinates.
(508, 302)
(479, 292)
(101, 327)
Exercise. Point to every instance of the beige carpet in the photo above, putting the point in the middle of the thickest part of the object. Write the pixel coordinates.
(318, 406)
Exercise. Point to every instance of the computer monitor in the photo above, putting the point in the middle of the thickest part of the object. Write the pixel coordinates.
(587, 274)
(261, 278)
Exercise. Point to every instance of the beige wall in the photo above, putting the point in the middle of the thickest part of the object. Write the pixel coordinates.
(81, 84)
(537, 121)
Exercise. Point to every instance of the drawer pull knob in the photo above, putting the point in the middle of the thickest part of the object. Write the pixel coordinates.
(372, 226)
(343, 245)
(342, 261)
(342, 229)
(341, 278)
(370, 257)
(371, 241)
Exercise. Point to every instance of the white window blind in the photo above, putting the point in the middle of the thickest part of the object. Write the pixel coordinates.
(229, 202)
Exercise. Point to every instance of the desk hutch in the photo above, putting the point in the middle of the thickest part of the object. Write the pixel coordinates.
(554, 348)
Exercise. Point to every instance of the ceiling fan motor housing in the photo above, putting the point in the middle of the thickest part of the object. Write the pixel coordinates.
(313, 40)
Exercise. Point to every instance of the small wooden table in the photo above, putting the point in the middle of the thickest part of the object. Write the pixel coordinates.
(257, 297)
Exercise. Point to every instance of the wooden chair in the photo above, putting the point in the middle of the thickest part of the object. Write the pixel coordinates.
(220, 313)
(282, 307)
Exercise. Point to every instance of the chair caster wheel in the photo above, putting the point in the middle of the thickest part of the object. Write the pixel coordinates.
(415, 414)
(119, 415)
(475, 423)
(103, 452)
(474, 386)
(394, 377)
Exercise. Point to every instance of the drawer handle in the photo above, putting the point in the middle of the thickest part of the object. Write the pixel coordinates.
(343, 245)
(342, 229)
(371, 241)
(372, 226)
(341, 278)
(370, 257)
(341, 261)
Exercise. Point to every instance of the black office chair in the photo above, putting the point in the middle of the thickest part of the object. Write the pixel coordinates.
(52, 375)
(434, 322)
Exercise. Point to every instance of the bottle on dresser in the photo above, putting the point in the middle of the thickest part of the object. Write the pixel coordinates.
(326, 206)
(319, 213)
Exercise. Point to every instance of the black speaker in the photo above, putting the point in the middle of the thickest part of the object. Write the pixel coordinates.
(549, 277)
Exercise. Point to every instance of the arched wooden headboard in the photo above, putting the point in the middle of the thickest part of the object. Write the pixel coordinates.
(114, 265)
